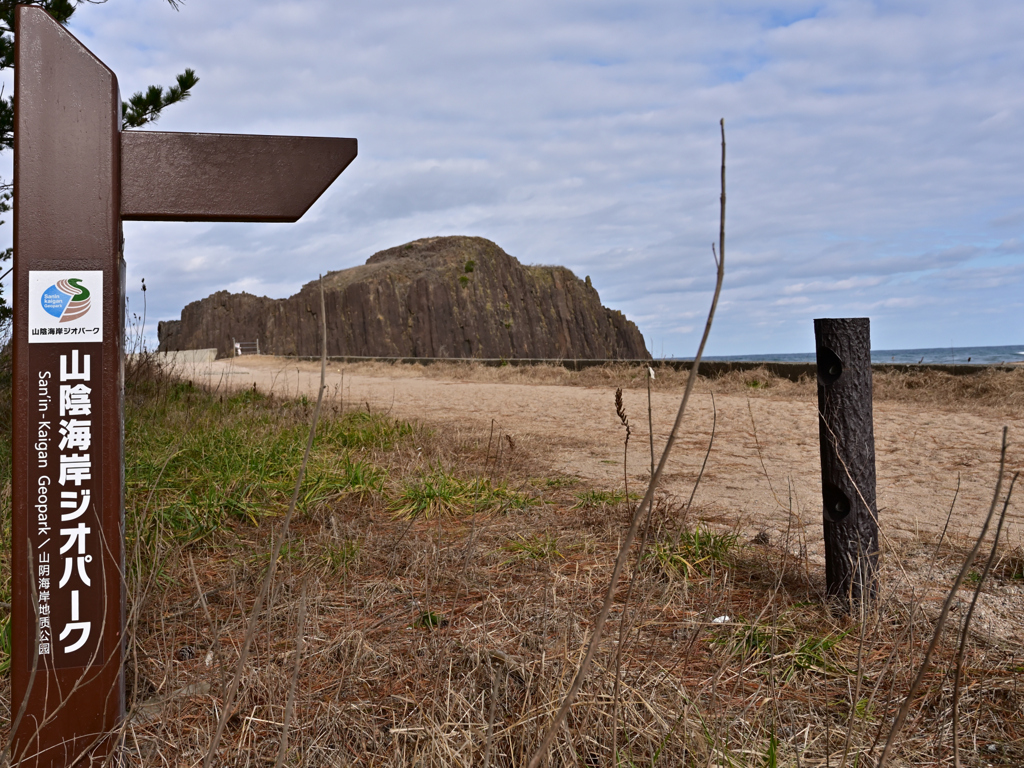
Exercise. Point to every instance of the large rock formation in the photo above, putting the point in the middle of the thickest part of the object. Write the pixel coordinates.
(436, 297)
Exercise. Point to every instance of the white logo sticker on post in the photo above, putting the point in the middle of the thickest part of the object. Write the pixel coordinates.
(65, 306)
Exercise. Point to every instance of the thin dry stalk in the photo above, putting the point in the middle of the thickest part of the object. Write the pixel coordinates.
(942, 536)
(926, 662)
(490, 440)
(206, 613)
(958, 675)
(707, 453)
(5, 755)
(624, 624)
(860, 678)
(300, 644)
(620, 411)
(650, 415)
(491, 712)
(627, 543)
(760, 455)
(268, 579)
(914, 607)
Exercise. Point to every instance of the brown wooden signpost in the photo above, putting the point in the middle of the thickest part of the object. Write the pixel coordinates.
(76, 177)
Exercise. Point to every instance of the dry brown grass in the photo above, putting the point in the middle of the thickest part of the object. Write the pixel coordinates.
(988, 388)
(450, 640)
(382, 685)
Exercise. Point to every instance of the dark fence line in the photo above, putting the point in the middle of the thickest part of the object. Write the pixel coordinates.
(708, 368)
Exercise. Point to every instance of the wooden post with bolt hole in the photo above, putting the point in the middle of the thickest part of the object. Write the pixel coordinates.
(76, 177)
(847, 443)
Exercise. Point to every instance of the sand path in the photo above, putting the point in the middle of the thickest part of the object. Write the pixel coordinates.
(766, 445)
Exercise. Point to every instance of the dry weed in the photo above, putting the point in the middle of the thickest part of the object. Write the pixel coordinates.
(451, 641)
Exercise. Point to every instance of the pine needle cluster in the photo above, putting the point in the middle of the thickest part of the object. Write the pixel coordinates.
(145, 106)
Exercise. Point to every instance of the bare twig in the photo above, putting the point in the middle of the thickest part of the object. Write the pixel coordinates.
(650, 415)
(901, 716)
(620, 411)
(490, 440)
(300, 643)
(914, 607)
(203, 596)
(630, 536)
(967, 624)
(942, 536)
(707, 453)
(860, 679)
(760, 456)
(491, 712)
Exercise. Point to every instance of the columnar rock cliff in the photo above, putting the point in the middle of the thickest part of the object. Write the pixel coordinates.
(436, 297)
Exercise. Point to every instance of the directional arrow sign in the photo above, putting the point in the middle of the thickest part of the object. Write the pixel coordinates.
(217, 177)
(76, 177)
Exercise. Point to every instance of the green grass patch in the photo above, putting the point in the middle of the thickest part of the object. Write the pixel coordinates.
(429, 620)
(340, 478)
(540, 546)
(561, 481)
(439, 493)
(5, 644)
(340, 556)
(696, 551)
(782, 651)
(199, 461)
(598, 499)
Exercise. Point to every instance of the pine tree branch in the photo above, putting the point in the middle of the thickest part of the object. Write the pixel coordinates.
(146, 107)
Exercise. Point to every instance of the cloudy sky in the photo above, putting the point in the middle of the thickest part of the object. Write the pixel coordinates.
(876, 151)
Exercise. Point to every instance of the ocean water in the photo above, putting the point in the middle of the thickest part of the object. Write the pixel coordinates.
(935, 356)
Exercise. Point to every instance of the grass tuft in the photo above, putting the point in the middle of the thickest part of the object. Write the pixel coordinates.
(696, 551)
(539, 546)
(202, 461)
(439, 494)
(592, 498)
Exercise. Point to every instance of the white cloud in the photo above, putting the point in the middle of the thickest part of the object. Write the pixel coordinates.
(874, 156)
